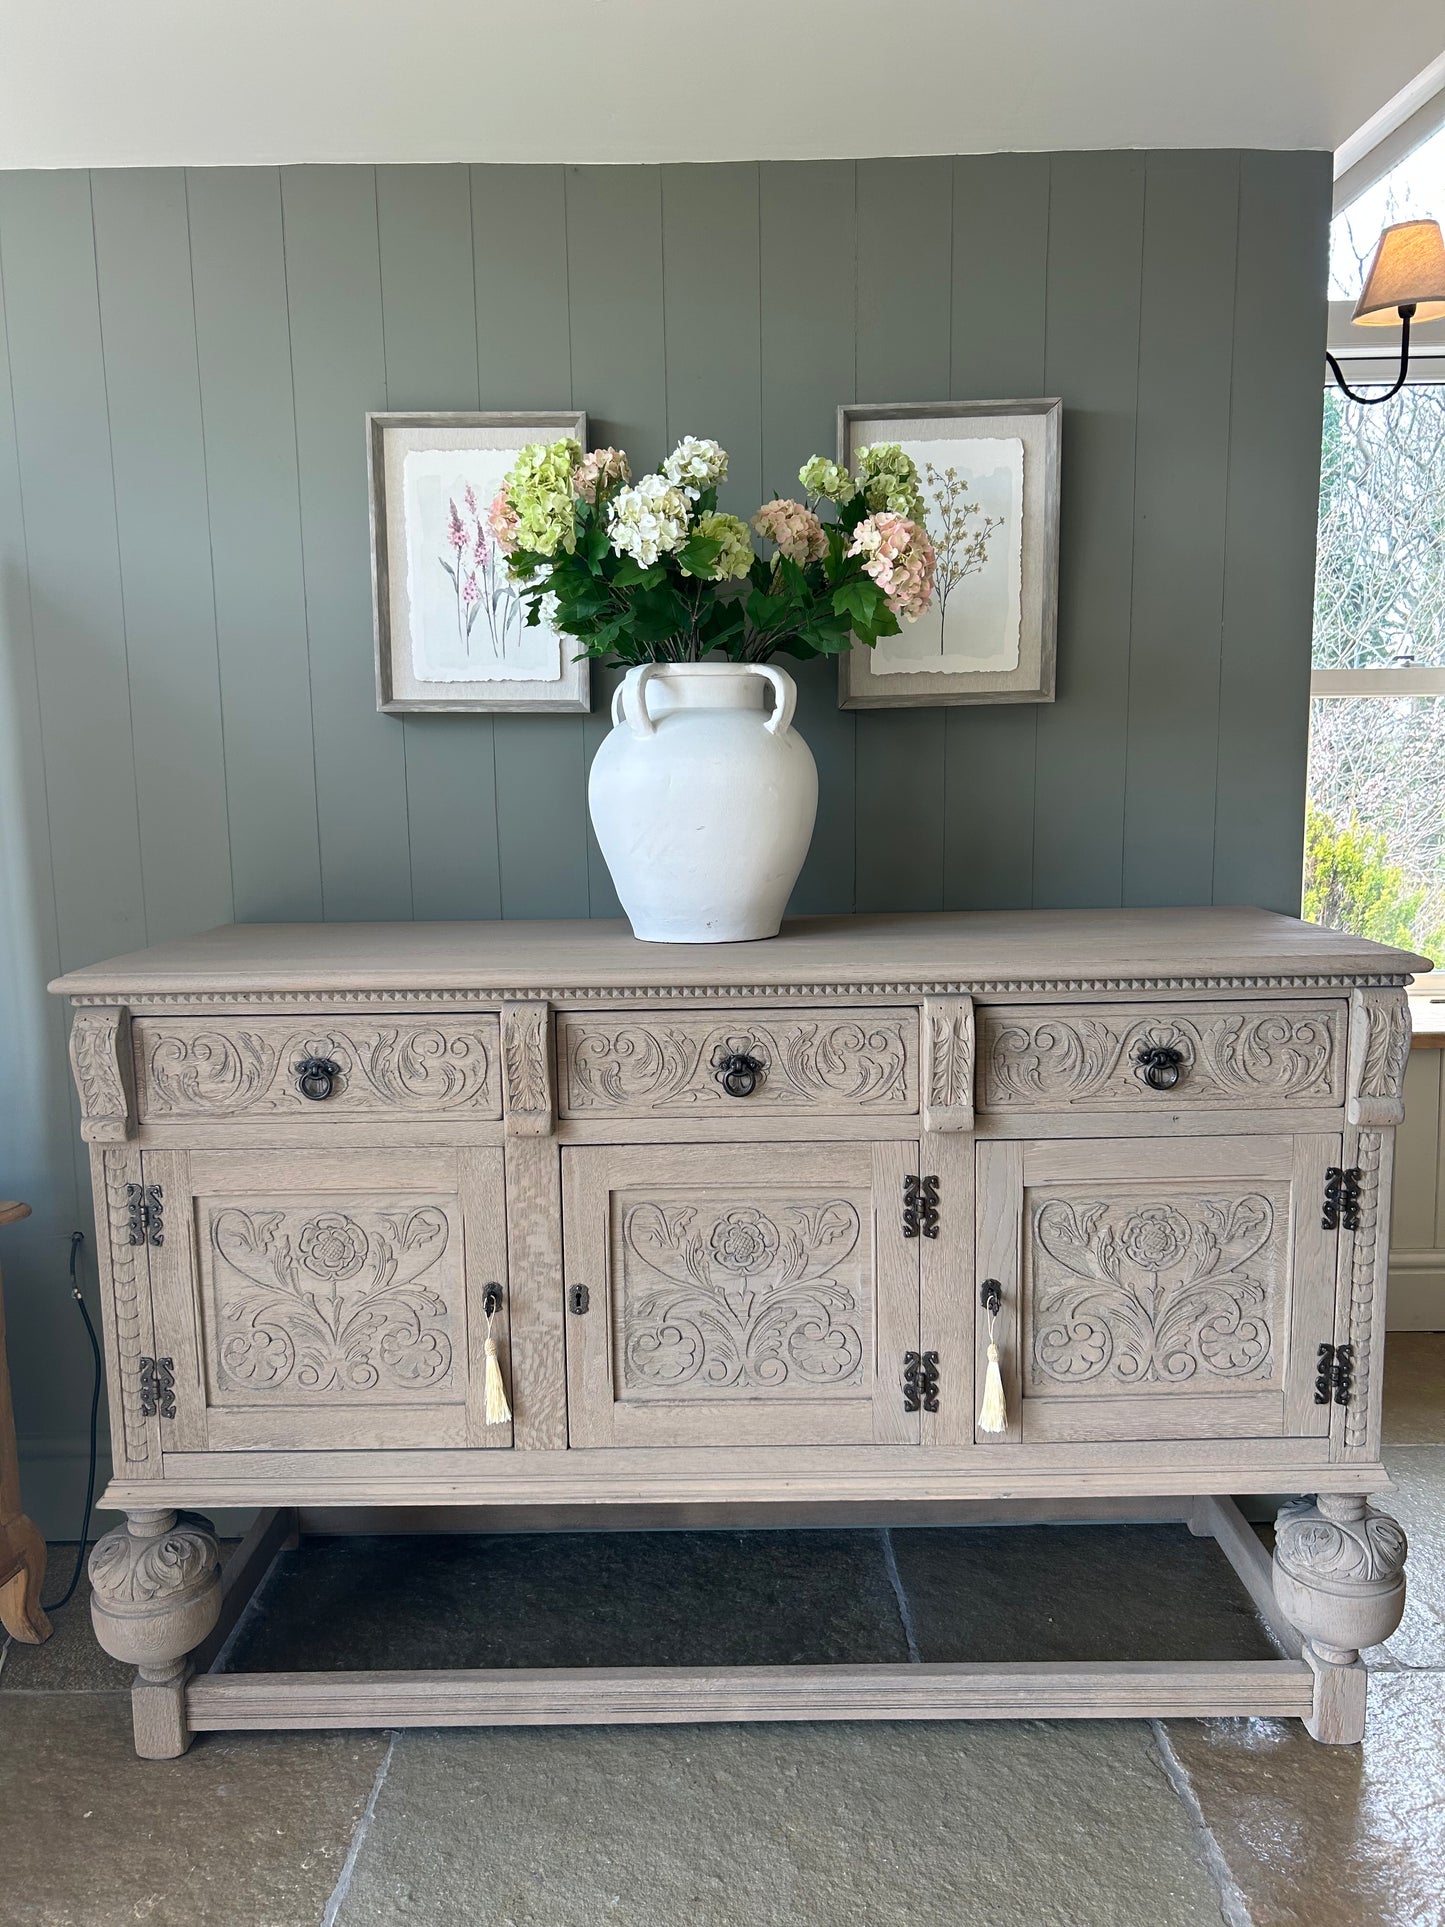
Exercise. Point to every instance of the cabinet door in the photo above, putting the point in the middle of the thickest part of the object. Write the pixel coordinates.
(739, 1296)
(328, 1299)
(1173, 1290)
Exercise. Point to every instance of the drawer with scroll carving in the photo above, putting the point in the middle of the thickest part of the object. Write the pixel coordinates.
(1104, 1057)
(707, 1063)
(265, 1067)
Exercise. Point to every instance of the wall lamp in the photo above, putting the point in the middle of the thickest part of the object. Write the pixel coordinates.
(1406, 278)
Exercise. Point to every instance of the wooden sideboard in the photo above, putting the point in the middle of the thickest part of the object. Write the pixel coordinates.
(737, 1208)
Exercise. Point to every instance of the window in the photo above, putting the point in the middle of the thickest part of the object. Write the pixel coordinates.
(1375, 830)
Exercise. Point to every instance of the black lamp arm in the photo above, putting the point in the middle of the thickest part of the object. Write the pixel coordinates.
(1369, 401)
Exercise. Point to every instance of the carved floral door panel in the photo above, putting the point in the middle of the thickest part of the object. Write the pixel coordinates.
(1170, 1290)
(739, 1296)
(329, 1299)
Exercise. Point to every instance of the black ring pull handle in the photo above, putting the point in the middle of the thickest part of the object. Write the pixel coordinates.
(316, 1078)
(739, 1074)
(1159, 1066)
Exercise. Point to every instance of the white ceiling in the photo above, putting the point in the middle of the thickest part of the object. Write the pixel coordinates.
(162, 82)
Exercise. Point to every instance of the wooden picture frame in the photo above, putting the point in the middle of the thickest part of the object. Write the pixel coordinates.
(1004, 573)
(431, 619)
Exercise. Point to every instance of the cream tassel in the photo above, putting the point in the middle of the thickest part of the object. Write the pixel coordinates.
(993, 1414)
(497, 1410)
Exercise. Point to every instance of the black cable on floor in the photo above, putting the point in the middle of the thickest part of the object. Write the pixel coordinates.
(77, 1239)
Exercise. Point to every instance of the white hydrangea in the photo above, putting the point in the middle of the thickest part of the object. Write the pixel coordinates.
(648, 520)
(695, 465)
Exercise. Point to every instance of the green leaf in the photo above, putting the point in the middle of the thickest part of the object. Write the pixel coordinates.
(858, 597)
(698, 554)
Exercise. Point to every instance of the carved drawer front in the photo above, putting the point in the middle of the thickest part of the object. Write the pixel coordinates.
(839, 1063)
(328, 1299)
(316, 1067)
(1160, 1290)
(727, 1296)
(1106, 1057)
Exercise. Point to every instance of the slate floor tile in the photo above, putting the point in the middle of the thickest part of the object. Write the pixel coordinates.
(993, 1825)
(1329, 1836)
(248, 1830)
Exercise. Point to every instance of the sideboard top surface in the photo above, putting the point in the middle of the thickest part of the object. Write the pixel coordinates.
(965, 948)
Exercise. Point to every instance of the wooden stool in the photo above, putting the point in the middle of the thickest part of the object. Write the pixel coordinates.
(22, 1550)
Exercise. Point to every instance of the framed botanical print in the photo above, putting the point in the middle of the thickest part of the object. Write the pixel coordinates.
(990, 478)
(451, 627)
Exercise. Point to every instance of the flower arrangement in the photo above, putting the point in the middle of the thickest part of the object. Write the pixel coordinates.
(652, 571)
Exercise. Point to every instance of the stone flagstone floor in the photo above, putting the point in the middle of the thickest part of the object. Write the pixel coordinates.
(1029, 1824)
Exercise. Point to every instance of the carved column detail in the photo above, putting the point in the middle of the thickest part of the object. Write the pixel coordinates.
(125, 1288)
(1379, 1052)
(1339, 1574)
(100, 1057)
(1364, 1264)
(948, 1044)
(155, 1594)
(529, 1102)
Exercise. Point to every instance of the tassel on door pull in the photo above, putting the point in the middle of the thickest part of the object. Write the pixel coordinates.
(993, 1413)
(496, 1411)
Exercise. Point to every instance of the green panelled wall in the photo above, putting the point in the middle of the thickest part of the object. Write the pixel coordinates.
(188, 731)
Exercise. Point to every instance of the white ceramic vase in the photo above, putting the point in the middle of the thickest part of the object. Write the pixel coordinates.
(703, 800)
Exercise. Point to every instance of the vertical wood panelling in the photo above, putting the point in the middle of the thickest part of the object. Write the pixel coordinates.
(807, 213)
(333, 280)
(429, 331)
(1269, 563)
(58, 383)
(616, 295)
(243, 342)
(153, 391)
(905, 274)
(1096, 234)
(1000, 283)
(1180, 477)
(183, 532)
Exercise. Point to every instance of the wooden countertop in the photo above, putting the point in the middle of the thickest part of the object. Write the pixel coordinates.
(970, 948)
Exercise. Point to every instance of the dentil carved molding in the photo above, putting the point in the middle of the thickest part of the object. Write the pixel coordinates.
(865, 1061)
(316, 1299)
(412, 1064)
(1143, 1294)
(100, 1056)
(743, 1298)
(1042, 1060)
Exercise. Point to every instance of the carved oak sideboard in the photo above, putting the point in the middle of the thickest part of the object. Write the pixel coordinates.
(744, 1219)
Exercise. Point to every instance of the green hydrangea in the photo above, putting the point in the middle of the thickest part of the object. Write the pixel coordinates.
(539, 488)
(889, 481)
(736, 556)
(823, 479)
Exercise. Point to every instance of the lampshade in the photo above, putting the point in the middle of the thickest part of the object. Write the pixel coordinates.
(1409, 266)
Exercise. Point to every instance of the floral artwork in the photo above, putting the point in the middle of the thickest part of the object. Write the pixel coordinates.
(466, 618)
(972, 501)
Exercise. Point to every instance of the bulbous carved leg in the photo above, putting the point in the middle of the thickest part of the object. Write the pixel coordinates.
(155, 1594)
(1339, 1578)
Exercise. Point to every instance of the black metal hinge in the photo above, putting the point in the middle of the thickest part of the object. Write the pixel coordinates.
(920, 1207)
(157, 1387)
(1342, 1199)
(920, 1381)
(1335, 1375)
(144, 1219)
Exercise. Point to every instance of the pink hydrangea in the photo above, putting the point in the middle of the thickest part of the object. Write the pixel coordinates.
(796, 530)
(900, 558)
(604, 469)
(502, 521)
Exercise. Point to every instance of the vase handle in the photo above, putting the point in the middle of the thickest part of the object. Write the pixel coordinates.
(629, 700)
(785, 697)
